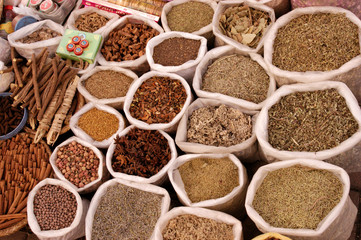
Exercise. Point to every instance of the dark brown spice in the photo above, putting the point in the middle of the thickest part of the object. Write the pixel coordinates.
(141, 152)
(10, 117)
(176, 51)
(158, 100)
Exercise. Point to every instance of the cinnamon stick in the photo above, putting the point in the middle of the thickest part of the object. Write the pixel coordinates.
(9, 223)
(12, 216)
(35, 82)
(16, 69)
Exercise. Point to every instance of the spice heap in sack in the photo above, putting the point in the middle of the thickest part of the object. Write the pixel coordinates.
(244, 24)
(316, 42)
(158, 100)
(41, 34)
(90, 22)
(126, 213)
(10, 117)
(302, 197)
(219, 126)
(310, 121)
(237, 76)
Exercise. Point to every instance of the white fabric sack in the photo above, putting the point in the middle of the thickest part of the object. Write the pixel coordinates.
(280, 6)
(103, 174)
(270, 154)
(337, 225)
(74, 231)
(116, 103)
(83, 135)
(348, 73)
(156, 179)
(199, 212)
(211, 57)
(204, 31)
(222, 39)
(112, 17)
(103, 189)
(187, 69)
(170, 127)
(27, 49)
(5, 55)
(5, 78)
(232, 203)
(138, 65)
(245, 151)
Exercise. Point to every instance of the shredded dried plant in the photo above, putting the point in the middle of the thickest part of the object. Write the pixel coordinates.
(316, 42)
(237, 76)
(297, 197)
(310, 121)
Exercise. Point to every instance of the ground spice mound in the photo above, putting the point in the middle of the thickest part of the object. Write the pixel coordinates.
(219, 126)
(237, 76)
(316, 42)
(209, 178)
(108, 84)
(189, 227)
(297, 197)
(310, 121)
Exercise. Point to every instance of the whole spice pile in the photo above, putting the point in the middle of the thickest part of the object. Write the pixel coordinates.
(126, 213)
(316, 42)
(108, 84)
(193, 227)
(90, 22)
(98, 124)
(219, 126)
(158, 100)
(176, 51)
(77, 163)
(127, 42)
(54, 207)
(10, 117)
(22, 165)
(297, 197)
(209, 178)
(244, 24)
(310, 121)
(237, 76)
(141, 152)
(41, 34)
(189, 16)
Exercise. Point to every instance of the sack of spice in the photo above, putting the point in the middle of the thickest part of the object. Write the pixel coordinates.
(242, 24)
(319, 121)
(125, 210)
(316, 44)
(56, 211)
(190, 16)
(176, 52)
(231, 75)
(97, 124)
(197, 223)
(214, 181)
(280, 6)
(5, 55)
(125, 42)
(5, 78)
(80, 164)
(106, 85)
(211, 126)
(39, 35)
(140, 155)
(91, 20)
(157, 101)
(311, 198)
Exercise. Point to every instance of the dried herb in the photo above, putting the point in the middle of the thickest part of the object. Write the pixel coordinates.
(126, 213)
(209, 178)
(189, 16)
(237, 76)
(244, 24)
(310, 121)
(297, 197)
(158, 100)
(176, 51)
(141, 152)
(316, 42)
(219, 126)
(189, 226)
(108, 84)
